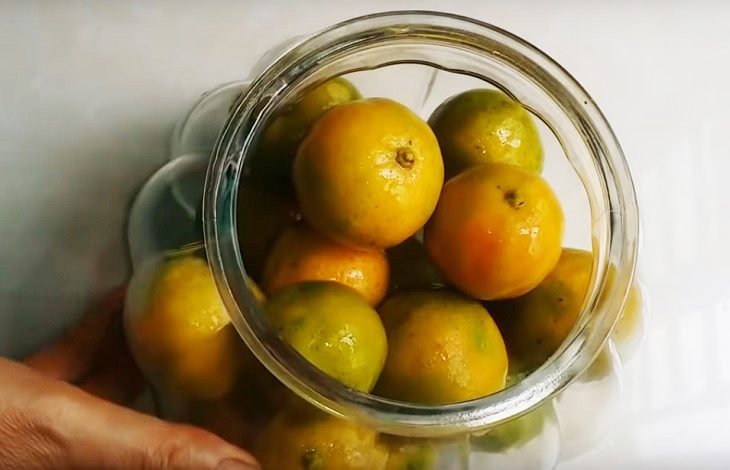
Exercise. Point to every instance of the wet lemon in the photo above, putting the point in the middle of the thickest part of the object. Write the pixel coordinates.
(186, 299)
(486, 126)
(300, 437)
(183, 333)
(411, 269)
(278, 146)
(334, 328)
(443, 348)
(369, 173)
(536, 324)
(208, 369)
(497, 231)
(301, 254)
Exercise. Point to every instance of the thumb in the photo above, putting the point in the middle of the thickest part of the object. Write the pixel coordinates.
(146, 442)
(51, 424)
(112, 437)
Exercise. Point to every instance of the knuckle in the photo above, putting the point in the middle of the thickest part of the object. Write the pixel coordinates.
(174, 448)
(29, 441)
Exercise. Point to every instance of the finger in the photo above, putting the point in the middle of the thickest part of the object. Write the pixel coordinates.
(71, 357)
(133, 440)
(55, 425)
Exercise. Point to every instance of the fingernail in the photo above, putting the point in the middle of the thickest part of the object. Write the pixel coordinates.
(235, 464)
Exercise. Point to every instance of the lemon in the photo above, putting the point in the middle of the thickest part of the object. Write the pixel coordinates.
(184, 335)
(301, 437)
(278, 145)
(334, 328)
(443, 348)
(486, 126)
(369, 173)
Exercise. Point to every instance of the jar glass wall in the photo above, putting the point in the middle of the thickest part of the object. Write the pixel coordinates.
(447, 44)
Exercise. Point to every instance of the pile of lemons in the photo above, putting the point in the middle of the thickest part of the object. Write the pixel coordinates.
(419, 261)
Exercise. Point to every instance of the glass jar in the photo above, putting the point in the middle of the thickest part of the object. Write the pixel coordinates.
(419, 59)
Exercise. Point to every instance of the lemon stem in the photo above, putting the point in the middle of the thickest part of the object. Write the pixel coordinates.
(405, 158)
(514, 199)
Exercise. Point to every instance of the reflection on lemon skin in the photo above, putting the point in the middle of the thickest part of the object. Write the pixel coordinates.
(497, 231)
(486, 126)
(443, 348)
(183, 334)
(369, 173)
(301, 254)
(334, 328)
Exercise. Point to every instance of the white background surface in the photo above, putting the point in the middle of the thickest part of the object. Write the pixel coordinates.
(89, 92)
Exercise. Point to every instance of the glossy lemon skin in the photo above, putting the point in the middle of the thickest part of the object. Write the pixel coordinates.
(497, 231)
(300, 437)
(301, 254)
(183, 335)
(369, 173)
(277, 148)
(443, 348)
(486, 126)
(334, 328)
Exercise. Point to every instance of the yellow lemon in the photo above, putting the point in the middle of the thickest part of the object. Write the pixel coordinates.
(300, 437)
(369, 173)
(184, 335)
(443, 348)
(301, 254)
(497, 231)
(278, 145)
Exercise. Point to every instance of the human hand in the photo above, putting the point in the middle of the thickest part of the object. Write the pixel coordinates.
(61, 408)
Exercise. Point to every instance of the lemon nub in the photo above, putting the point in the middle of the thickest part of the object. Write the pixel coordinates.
(405, 158)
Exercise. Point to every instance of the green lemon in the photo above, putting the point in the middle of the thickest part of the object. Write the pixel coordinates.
(184, 333)
(334, 328)
(485, 126)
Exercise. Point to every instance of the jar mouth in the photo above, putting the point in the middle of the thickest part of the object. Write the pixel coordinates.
(572, 115)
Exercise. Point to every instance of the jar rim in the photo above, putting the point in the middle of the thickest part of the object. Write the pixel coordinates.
(601, 310)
